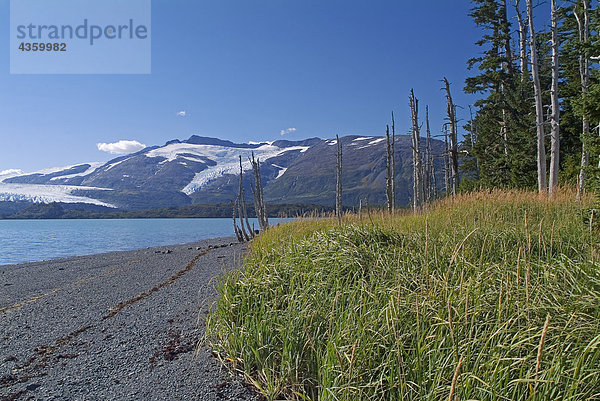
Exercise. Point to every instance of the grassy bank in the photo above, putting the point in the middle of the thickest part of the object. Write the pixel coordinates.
(490, 297)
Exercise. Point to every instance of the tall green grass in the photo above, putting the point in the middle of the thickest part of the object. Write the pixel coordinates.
(487, 297)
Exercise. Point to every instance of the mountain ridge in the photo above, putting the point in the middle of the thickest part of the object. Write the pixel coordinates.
(205, 170)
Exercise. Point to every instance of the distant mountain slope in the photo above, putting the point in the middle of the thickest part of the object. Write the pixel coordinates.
(311, 178)
(205, 170)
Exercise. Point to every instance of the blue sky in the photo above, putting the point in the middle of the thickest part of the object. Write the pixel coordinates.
(244, 70)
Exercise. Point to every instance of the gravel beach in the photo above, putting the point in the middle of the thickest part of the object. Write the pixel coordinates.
(115, 326)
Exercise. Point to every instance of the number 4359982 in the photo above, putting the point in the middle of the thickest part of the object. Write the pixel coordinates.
(43, 47)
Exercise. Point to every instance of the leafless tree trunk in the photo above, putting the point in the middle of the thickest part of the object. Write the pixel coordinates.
(504, 128)
(417, 170)
(241, 217)
(259, 200)
(451, 109)
(236, 229)
(245, 211)
(338, 187)
(539, 111)
(471, 128)
(522, 40)
(446, 161)
(428, 160)
(393, 163)
(360, 209)
(244, 208)
(555, 117)
(507, 66)
(473, 133)
(241, 206)
(434, 186)
(584, 73)
(388, 170)
(245, 236)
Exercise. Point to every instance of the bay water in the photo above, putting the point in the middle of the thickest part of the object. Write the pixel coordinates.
(35, 240)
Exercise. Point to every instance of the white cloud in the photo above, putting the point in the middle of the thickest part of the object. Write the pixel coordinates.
(122, 147)
(182, 113)
(11, 171)
(287, 131)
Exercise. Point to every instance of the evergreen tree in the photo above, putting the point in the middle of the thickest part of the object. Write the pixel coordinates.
(505, 146)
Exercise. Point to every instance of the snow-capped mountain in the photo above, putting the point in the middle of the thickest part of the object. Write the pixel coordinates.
(205, 170)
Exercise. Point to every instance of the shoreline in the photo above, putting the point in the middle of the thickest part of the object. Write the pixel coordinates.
(193, 244)
(115, 325)
(25, 241)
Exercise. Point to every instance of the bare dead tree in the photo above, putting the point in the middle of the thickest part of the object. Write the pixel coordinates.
(451, 111)
(388, 170)
(434, 193)
(422, 177)
(241, 206)
(259, 199)
(507, 66)
(417, 170)
(251, 232)
(429, 189)
(583, 24)
(245, 209)
(446, 161)
(243, 232)
(338, 187)
(236, 229)
(539, 110)
(245, 236)
(555, 116)
(393, 163)
(473, 133)
(522, 40)
(360, 209)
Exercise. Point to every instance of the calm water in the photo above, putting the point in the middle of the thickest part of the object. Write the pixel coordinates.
(33, 240)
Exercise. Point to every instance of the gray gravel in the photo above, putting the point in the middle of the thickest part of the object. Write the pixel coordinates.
(115, 326)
